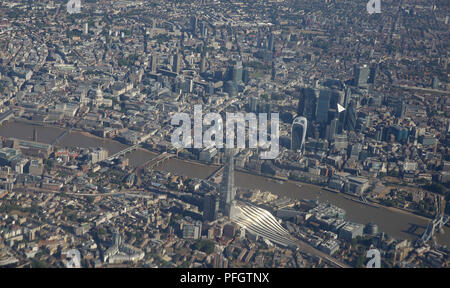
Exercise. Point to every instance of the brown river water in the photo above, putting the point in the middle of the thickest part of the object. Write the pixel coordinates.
(393, 222)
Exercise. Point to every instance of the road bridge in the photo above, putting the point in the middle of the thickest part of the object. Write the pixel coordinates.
(123, 152)
(436, 224)
(152, 163)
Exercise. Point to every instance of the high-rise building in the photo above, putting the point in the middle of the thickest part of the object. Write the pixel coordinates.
(362, 74)
(400, 133)
(307, 103)
(203, 30)
(332, 129)
(245, 75)
(192, 230)
(177, 63)
(380, 133)
(210, 207)
(203, 64)
(259, 36)
(253, 104)
(354, 151)
(154, 63)
(227, 189)
(86, 29)
(235, 72)
(98, 154)
(373, 73)
(193, 24)
(350, 117)
(298, 133)
(270, 42)
(435, 83)
(400, 110)
(337, 97)
(231, 88)
(323, 105)
(341, 118)
(347, 97)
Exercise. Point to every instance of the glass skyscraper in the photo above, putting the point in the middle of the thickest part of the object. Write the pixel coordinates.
(227, 189)
(307, 103)
(298, 133)
(362, 74)
(323, 106)
(350, 117)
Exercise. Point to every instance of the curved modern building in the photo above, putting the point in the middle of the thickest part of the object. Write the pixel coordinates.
(298, 133)
(255, 220)
(260, 222)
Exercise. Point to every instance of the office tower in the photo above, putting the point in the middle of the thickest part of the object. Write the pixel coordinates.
(193, 24)
(323, 105)
(313, 130)
(270, 42)
(334, 84)
(227, 189)
(362, 74)
(355, 149)
(332, 129)
(337, 97)
(210, 207)
(341, 118)
(245, 76)
(307, 103)
(86, 29)
(236, 72)
(203, 64)
(332, 114)
(347, 97)
(192, 230)
(231, 88)
(380, 133)
(373, 73)
(350, 117)
(154, 64)
(400, 133)
(177, 62)
(253, 104)
(203, 30)
(298, 133)
(435, 83)
(361, 124)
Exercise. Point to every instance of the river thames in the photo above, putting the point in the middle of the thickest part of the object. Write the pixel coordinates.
(394, 222)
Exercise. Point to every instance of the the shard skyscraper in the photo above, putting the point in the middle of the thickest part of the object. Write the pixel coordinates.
(227, 189)
(253, 219)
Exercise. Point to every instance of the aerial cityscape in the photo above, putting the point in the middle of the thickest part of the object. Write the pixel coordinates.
(224, 134)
